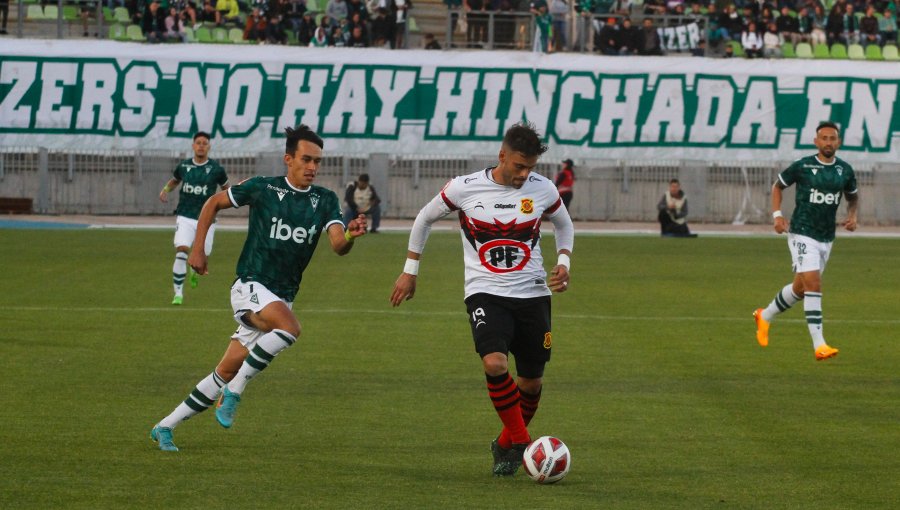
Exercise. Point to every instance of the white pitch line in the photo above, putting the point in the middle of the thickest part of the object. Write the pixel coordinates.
(224, 311)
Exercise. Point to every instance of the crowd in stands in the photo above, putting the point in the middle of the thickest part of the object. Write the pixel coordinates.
(314, 23)
(622, 27)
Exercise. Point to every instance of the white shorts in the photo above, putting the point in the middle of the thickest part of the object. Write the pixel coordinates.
(250, 297)
(186, 230)
(807, 254)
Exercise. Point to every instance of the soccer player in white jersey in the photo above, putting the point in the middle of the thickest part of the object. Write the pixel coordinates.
(822, 180)
(288, 216)
(196, 180)
(507, 293)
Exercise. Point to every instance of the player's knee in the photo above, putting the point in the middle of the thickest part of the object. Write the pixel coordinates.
(495, 364)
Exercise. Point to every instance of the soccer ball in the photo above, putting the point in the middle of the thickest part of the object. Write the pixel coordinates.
(547, 460)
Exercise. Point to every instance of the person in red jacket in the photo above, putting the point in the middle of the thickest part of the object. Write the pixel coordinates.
(565, 182)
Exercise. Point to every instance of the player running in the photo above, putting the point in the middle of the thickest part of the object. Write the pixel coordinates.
(822, 180)
(288, 215)
(507, 294)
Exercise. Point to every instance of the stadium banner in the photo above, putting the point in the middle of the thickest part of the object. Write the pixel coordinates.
(141, 97)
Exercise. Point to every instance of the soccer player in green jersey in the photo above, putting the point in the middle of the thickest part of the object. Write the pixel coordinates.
(822, 180)
(288, 215)
(196, 179)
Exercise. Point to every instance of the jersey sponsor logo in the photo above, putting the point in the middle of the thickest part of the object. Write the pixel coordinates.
(254, 299)
(283, 232)
(819, 197)
(815, 171)
(504, 206)
(191, 189)
(548, 340)
(504, 255)
(479, 206)
(281, 191)
(467, 180)
(527, 206)
(532, 178)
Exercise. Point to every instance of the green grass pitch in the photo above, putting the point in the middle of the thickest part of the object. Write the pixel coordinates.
(657, 384)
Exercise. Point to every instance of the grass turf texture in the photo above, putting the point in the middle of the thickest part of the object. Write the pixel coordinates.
(656, 384)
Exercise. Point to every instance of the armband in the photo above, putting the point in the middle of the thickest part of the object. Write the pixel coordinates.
(411, 267)
(563, 260)
(777, 214)
(349, 238)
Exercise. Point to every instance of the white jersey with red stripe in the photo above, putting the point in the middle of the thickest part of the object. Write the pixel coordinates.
(500, 227)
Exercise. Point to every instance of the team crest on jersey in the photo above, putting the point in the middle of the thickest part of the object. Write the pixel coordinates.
(207, 170)
(527, 206)
(314, 200)
(548, 340)
(840, 170)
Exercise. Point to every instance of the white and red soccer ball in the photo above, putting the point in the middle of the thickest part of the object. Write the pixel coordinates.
(547, 460)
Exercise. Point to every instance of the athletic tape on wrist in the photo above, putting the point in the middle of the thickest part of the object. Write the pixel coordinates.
(777, 214)
(411, 267)
(563, 260)
(349, 237)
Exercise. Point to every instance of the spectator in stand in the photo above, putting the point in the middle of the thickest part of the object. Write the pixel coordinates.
(175, 26)
(751, 42)
(654, 7)
(209, 14)
(153, 22)
(275, 33)
(716, 24)
(543, 31)
(307, 29)
(606, 41)
(357, 20)
(255, 27)
(477, 18)
(650, 42)
(629, 38)
(336, 10)
(818, 34)
(381, 28)
(559, 9)
(454, 10)
(504, 23)
(765, 17)
(868, 28)
(673, 5)
(4, 16)
(294, 15)
(887, 25)
(357, 7)
(834, 27)
(772, 42)
(850, 25)
(401, 12)
(320, 38)
(188, 9)
(583, 10)
(733, 23)
(431, 43)
(357, 38)
(788, 26)
(88, 10)
(728, 52)
(227, 11)
(338, 39)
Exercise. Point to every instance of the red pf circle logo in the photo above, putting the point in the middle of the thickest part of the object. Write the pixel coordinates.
(504, 255)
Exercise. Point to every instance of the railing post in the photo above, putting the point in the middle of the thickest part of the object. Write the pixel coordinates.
(59, 19)
(43, 198)
(490, 43)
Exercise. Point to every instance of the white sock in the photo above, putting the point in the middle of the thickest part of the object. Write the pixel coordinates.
(782, 302)
(203, 396)
(179, 270)
(267, 347)
(812, 304)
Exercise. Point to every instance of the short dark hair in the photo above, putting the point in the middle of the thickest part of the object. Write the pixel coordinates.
(523, 137)
(363, 178)
(301, 132)
(674, 181)
(198, 134)
(828, 124)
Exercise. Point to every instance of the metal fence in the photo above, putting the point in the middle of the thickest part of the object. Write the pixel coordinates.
(128, 182)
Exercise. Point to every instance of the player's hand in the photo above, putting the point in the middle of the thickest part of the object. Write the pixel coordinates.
(559, 279)
(197, 261)
(404, 289)
(849, 224)
(163, 196)
(358, 226)
(781, 225)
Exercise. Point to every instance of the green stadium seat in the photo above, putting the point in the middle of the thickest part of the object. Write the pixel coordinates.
(117, 32)
(108, 15)
(237, 36)
(121, 15)
(821, 51)
(804, 50)
(135, 33)
(856, 52)
(736, 48)
(413, 25)
(189, 35)
(873, 52)
(312, 6)
(51, 12)
(71, 13)
(292, 38)
(34, 12)
(203, 35)
(787, 50)
(838, 51)
(889, 52)
(220, 36)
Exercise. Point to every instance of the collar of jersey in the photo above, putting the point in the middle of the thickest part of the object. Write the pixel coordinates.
(289, 185)
(194, 161)
(822, 163)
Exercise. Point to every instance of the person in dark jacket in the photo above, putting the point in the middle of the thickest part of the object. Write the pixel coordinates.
(361, 198)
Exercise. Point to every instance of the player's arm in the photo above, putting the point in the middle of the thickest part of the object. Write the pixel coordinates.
(170, 186)
(564, 231)
(211, 208)
(342, 240)
(780, 223)
(852, 208)
(405, 286)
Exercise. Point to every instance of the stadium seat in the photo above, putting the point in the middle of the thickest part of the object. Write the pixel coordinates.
(34, 12)
(736, 48)
(804, 50)
(121, 15)
(203, 35)
(856, 52)
(220, 36)
(838, 51)
(821, 51)
(873, 52)
(71, 13)
(189, 35)
(889, 52)
(787, 50)
(51, 12)
(237, 36)
(413, 25)
(108, 15)
(312, 6)
(134, 33)
(117, 32)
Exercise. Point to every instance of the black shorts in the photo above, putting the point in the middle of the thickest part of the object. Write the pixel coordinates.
(520, 326)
